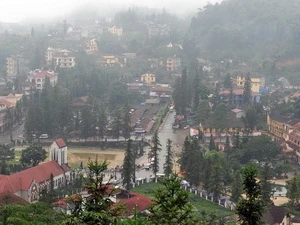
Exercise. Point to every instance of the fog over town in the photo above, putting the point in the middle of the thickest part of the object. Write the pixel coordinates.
(157, 112)
(19, 10)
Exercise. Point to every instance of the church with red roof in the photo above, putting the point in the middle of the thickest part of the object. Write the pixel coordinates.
(27, 184)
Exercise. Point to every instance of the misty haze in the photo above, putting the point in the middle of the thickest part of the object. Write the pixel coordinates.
(149, 112)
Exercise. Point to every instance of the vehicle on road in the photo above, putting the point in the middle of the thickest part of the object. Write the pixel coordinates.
(44, 136)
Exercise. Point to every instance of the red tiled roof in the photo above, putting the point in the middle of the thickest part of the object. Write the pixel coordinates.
(10, 198)
(44, 74)
(138, 201)
(6, 103)
(22, 180)
(60, 142)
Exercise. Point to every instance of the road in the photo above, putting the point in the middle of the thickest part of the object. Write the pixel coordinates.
(166, 132)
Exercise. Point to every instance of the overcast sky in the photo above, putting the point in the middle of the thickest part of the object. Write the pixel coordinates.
(17, 10)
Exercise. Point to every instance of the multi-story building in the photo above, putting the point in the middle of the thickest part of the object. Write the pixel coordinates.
(110, 61)
(294, 138)
(257, 82)
(12, 65)
(280, 127)
(148, 78)
(173, 64)
(92, 45)
(118, 31)
(38, 77)
(60, 57)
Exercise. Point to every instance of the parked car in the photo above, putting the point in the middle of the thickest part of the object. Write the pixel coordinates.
(44, 136)
(186, 127)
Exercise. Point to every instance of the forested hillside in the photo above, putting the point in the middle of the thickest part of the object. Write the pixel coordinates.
(246, 30)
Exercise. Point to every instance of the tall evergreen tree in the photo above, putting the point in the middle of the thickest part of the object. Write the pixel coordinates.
(227, 83)
(168, 166)
(247, 96)
(128, 172)
(185, 155)
(154, 153)
(251, 208)
(212, 145)
(126, 129)
(265, 185)
(236, 187)
(171, 204)
(196, 163)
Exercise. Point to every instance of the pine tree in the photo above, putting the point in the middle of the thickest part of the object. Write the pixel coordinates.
(227, 83)
(247, 96)
(251, 208)
(227, 144)
(196, 163)
(128, 172)
(171, 204)
(185, 155)
(196, 98)
(212, 145)
(265, 185)
(154, 153)
(236, 187)
(168, 166)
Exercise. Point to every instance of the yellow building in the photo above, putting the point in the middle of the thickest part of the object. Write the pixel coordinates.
(173, 64)
(110, 61)
(280, 126)
(118, 31)
(148, 78)
(92, 45)
(11, 66)
(256, 82)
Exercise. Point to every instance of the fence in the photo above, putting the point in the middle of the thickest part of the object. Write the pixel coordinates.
(202, 193)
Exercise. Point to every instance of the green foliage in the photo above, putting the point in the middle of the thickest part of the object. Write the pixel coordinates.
(246, 28)
(247, 95)
(293, 189)
(168, 166)
(215, 173)
(154, 153)
(33, 155)
(227, 83)
(192, 161)
(236, 187)
(220, 117)
(31, 214)
(203, 112)
(171, 204)
(261, 148)
(180, 93)
(128, 172)
(98, 205)
(251, 208)
(265, 185)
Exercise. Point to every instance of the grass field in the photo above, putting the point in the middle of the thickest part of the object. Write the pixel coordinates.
(200, 204)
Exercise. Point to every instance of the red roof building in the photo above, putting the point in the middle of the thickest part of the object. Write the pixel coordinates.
(27, 184)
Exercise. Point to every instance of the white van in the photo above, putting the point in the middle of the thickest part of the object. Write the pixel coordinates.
(44, 136)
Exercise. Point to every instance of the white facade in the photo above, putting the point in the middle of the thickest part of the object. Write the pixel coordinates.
(58, 154)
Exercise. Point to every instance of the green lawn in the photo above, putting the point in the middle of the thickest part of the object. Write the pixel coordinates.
(200, 204)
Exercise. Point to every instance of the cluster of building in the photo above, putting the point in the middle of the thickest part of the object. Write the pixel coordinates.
(236, 94)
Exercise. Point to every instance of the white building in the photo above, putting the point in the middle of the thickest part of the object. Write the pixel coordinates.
(60, 57)
(38, 77)
(58, 151)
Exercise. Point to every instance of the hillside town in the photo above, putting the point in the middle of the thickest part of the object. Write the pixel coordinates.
(114, 120)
